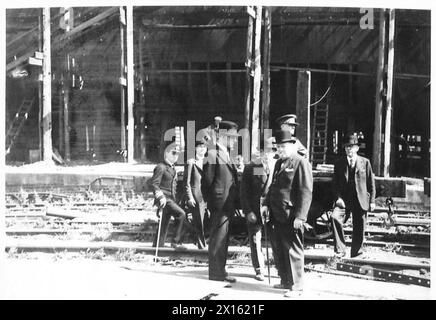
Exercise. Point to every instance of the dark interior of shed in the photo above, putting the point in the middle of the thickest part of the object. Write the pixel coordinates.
(190, 65)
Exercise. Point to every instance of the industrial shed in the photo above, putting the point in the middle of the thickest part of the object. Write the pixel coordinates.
(155, 68)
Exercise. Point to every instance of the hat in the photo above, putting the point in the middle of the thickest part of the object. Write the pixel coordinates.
(231, 127)
(283, 136)
(351, 139)
(290, 119)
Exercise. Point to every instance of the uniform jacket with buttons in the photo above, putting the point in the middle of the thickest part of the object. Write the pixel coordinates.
(290, 193)
(163, 182)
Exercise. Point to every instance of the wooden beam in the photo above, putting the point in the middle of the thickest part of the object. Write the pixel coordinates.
(40, 87)
(59, 41)
(248, 80)
(66, 106)
(303, 107)
(47, 150)
(389, 94)
(378, 116)
(266, 70)
(352, 117)
(123, 88)
(130, 86)
(256, 80)
(142, 144)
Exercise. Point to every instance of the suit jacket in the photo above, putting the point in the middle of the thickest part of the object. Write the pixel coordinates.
(163, 182)
(192, 181)
(220, 181)
(364, 180)
(290, 193)
(253, 186)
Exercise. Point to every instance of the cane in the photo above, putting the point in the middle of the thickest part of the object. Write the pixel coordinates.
(158, 234)
(267, 250)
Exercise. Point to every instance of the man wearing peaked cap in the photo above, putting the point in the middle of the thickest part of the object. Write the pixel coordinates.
(163, 184)
(255, 182)
(288, 201)
(289, 122)
(354, 185)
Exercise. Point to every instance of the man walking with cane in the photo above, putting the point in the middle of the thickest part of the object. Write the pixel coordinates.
(288, 201)
(256, 179)
(163, 184)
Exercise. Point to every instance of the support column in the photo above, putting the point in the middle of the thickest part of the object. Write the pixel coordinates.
(123, 80)
(389, 94)
(47, 150)
(40, 87)
(303, 107)
(266, 70)
(130, 86)
(377, 140)
(256, 80)
(248, 80)
(142, 144)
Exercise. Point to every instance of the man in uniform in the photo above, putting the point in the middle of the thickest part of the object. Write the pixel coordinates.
(163, 184)
(256, 179)
(354, 185)
(289, 122)
(288, 202)
(221, 192)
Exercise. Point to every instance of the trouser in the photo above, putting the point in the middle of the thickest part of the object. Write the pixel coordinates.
(255, 240)
(288, 251)
(171, 209)
(359, 221)
(198, 214)
(218, 244)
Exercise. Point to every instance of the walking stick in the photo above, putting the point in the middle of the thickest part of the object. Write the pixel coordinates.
(158, 234)
(267, 251)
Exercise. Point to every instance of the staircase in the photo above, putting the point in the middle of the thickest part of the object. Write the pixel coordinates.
(17, 123)
(319, 133)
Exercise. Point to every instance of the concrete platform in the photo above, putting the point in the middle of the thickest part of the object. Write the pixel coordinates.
(50, 278)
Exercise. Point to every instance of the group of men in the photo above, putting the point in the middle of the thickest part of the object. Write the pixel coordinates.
(272, 192)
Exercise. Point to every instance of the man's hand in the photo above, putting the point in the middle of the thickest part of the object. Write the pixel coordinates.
(298, 223)
(264, 212)
(251, 217)
(371, 207)
(340, 203)
(191, 203)
(162, 202)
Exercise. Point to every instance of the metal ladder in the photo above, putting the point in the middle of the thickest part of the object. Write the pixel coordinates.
(319, 133)
(17, 123)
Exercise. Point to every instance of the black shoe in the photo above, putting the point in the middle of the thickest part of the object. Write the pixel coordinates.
(355, 255)
(282, 286)
(226, 278)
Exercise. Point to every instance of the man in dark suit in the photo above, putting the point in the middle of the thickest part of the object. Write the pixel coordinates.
(289, 122)
(256, 179)
(288, 202)
(163, 184)
(354, 185)
(221, 190)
